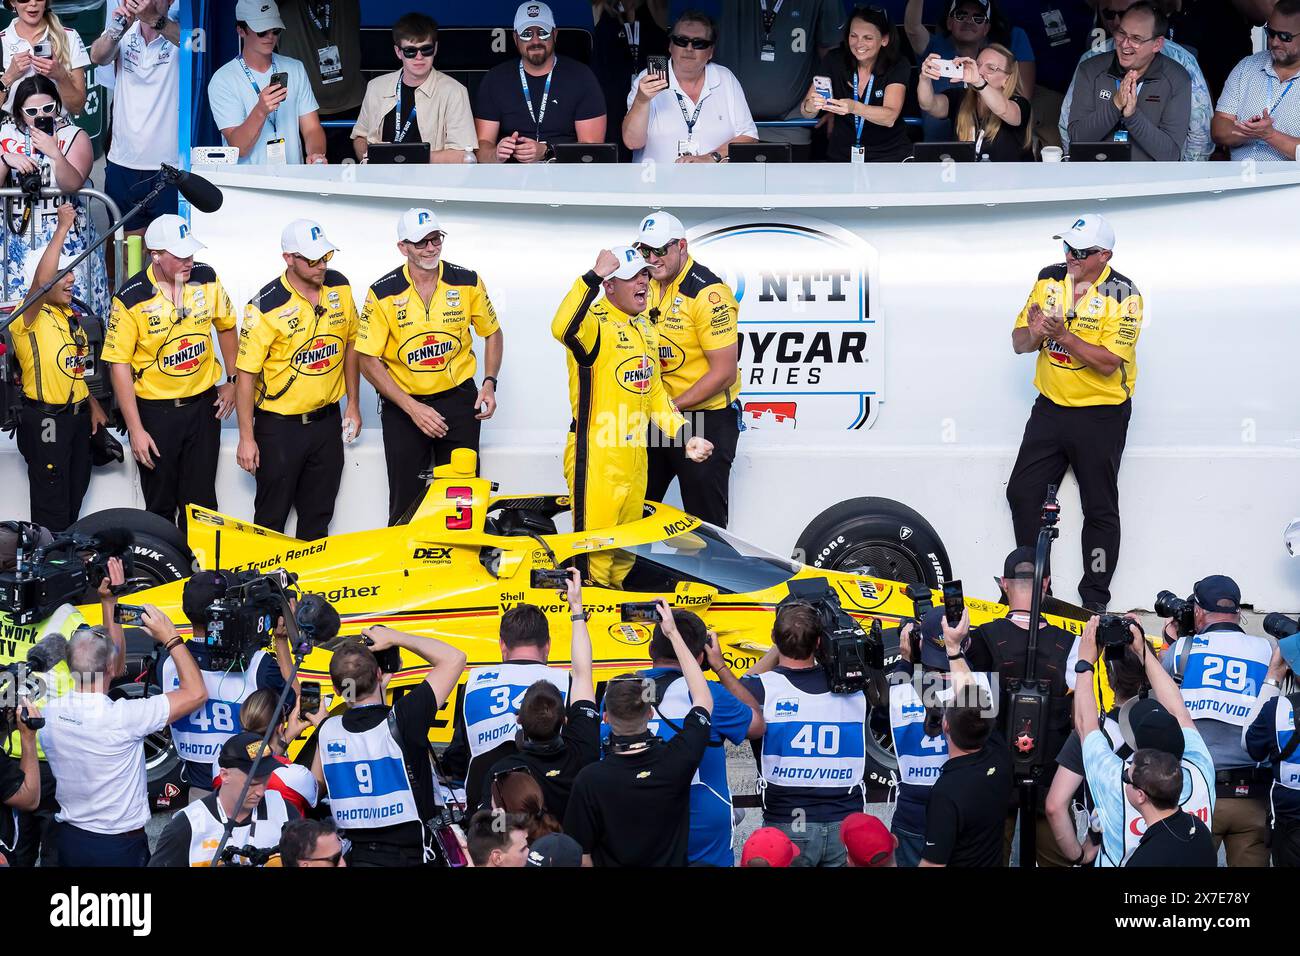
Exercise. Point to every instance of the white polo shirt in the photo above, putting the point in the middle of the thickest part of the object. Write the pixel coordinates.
(11, 44)
(723, 115)
(93, 745)
(1252, 87)
(146, 79)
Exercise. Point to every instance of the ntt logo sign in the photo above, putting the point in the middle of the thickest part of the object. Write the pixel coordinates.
(811, 342)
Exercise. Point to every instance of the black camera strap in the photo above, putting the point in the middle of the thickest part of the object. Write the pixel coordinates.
(662, 683)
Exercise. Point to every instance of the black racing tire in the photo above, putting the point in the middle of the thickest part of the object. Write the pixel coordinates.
(897, 544)
(160, 552)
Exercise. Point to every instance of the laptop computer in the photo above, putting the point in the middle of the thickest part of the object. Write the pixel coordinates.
(586, 153)
(962, 152)
(384, 154)
(759, 153)
(1107, 152)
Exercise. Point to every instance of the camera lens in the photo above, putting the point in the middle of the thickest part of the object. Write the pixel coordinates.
(1280, 626)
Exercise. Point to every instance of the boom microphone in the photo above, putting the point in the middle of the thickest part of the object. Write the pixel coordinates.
(201, 194)
(48, 651)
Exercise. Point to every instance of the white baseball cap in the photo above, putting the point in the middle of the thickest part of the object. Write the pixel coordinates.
(32, 261)
(534, 15)
(306, 238)
(630, 262)
(660, 228)
(259, 14)
(417, 223)
(1089, 232)
(171, 233)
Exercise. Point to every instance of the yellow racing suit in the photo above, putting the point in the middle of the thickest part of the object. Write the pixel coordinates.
(615, 391)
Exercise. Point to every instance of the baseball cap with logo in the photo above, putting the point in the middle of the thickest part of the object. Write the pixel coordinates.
(769, 845)
(660, 228)
(934, 653)
(1217, 594)
(306, 238)
(555, 849)
(239, 751)
(867, 840)
(1144, 722)
(1089, 232)
(534, 15)
(417, 223)
(259, 14)
(957, 3)
(630, 263)
(33, 260)
(171, 233)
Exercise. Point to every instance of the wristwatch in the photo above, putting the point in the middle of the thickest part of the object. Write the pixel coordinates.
(493, 380)
(1083, 667)
(578, 616)
(230, 379)
(978, 88)
(956, 657)
(717, 157)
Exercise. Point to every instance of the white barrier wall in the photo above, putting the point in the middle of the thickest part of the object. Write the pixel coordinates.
(876, 309)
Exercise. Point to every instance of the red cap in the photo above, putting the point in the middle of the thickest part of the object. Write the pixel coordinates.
(770, 844)
(867, 840)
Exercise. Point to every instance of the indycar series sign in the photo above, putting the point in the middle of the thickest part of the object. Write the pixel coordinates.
(811, 345)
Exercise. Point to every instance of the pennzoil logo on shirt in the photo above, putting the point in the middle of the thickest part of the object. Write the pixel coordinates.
(635, 374)
(429, 351)
(72, 361)
(184, 356)
(320, 356)
(670, 356)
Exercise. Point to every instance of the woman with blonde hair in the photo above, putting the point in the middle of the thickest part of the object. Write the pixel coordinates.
(37, 43)
(991, 111)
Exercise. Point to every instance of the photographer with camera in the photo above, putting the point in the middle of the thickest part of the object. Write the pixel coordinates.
(1273, 736)
(194, 833)
(374, 759)
(1159, 722)
(94, 744)
(1221, 669)
(553, 742)
(633, 808)
(1002, 647)
(488, 716)
(20, 775)
(814, 745)
(233, 663)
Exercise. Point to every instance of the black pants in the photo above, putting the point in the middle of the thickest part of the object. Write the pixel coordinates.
(36, 827)
(185, 469)
(409, 451)
(1286, 841)
(704, 485)
(382, 854)
(1089, 440)
(57, 450)
(81, 848)
(300, 467)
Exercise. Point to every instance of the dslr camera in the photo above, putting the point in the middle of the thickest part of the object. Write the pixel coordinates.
(18, 684)
(55, 571)
(1279, 626)
(849, 655)
(1182, 611)
(242, 621)
(1113, 634)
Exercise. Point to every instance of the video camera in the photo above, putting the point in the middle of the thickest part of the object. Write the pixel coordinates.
(59, 571)
(1183, 612)
(242, 621)
(846, 653)
(249, 855)
(17, 684)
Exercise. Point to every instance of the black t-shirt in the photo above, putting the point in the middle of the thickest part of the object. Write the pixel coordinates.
(1177, 840)
(968, 809)
(1217, 35)
(554, 767)
(615, 63)
(1008, 146)
(11, 781)
(414, 714)
(635, 809)
(883, 144)
(575, 95)
(405, 109)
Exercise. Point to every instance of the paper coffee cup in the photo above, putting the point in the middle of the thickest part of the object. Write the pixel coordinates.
(1051, 154)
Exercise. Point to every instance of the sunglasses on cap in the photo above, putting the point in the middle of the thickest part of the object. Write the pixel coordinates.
(425, 50)
(1078, 255)
(535, 33)
(313, 263)
(659, 251)
(432, 239)
(345, 847)
(44, 110)
(695, 43)
(1283, 35)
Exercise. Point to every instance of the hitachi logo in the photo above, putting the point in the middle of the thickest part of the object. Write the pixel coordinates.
(426, 352)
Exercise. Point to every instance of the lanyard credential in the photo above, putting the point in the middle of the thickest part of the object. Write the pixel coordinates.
(326, 12)
(540, 115)
(1285, 90)
(399, 135)
(690, 120)
(257, 90)
(769, 18)
(860, 121)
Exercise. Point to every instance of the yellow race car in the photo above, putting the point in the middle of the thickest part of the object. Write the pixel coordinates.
(465, 555)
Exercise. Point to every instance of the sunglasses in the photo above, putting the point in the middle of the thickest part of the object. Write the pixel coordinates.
(424, 50)
(432, 239)
(345, 846)
(313, 263)
(1078, 255)
(535, 33)
(659, 251)
(273, 32)
(976, 18)
(695, 43)
(1282, 35)
(45, 110)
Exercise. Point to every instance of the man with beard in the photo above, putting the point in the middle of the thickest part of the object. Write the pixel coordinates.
(525, 108)
(1255, 118)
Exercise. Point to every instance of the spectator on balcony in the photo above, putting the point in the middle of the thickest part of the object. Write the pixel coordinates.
(1255, 118)
(626, 32)
(563, 101)
(417, 104)
(269, 123)
(1059, 32)
(694, 112)
(325, 36)
(990, 112)
(36, 29)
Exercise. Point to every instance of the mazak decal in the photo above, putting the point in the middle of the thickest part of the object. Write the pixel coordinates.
(810, 331)
(429, 351)
(320, 356)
